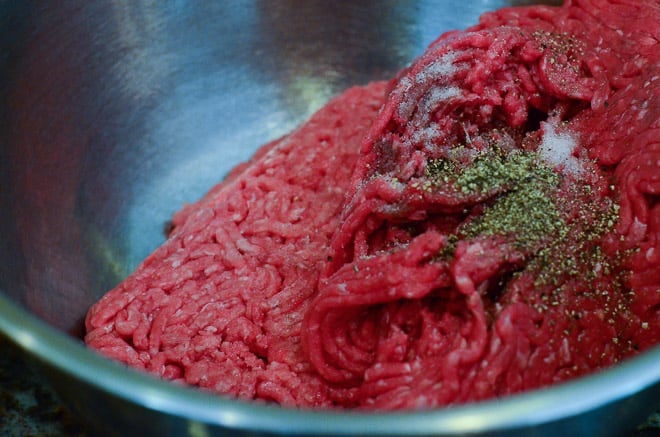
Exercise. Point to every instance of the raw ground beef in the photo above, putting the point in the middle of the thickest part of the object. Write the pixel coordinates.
(493, 228)
(220, 304)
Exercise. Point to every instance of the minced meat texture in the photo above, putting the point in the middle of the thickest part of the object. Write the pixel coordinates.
(220, 304)
(493, 228)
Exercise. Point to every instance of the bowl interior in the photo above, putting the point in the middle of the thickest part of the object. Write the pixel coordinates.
(113, 114)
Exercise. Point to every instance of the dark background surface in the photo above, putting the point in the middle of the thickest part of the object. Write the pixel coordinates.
(28, 407)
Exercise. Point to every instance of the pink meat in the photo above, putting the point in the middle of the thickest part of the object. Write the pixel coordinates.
(490, 227)
(220, 304)
(397, 326)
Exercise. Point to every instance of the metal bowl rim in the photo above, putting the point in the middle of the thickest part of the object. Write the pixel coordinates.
(562, 401)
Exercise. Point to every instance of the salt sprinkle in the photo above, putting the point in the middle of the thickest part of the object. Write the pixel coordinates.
(556, 149)
(442, 68)
(439, 71)
(440, 94)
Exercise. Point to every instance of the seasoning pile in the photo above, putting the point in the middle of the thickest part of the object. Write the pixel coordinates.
(484, 224)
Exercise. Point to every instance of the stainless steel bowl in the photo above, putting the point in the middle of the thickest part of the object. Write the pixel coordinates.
(115, 113)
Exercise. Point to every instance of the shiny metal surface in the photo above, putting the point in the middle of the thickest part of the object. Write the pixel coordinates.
(115, 113)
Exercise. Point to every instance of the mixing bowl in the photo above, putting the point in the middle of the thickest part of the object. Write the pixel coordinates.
(115, 113)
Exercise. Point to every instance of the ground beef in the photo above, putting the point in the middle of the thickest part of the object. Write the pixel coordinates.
(499, 231)
(220, 304)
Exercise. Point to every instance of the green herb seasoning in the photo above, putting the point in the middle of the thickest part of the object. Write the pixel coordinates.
(579, 253)
(526, 211)
(490, 170)
(527, 215)
(559, 230)
(441, 170)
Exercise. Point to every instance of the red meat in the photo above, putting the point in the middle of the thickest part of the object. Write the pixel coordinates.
(493, 228)
(510, 305)
(221, 303)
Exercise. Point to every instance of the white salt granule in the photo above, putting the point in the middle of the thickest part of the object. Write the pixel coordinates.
(438, 95)
(439, 72)
(424, 135)
(441, 69)
(557, 148)
(431, 102)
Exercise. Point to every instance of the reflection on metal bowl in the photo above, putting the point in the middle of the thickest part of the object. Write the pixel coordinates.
(115, 113)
